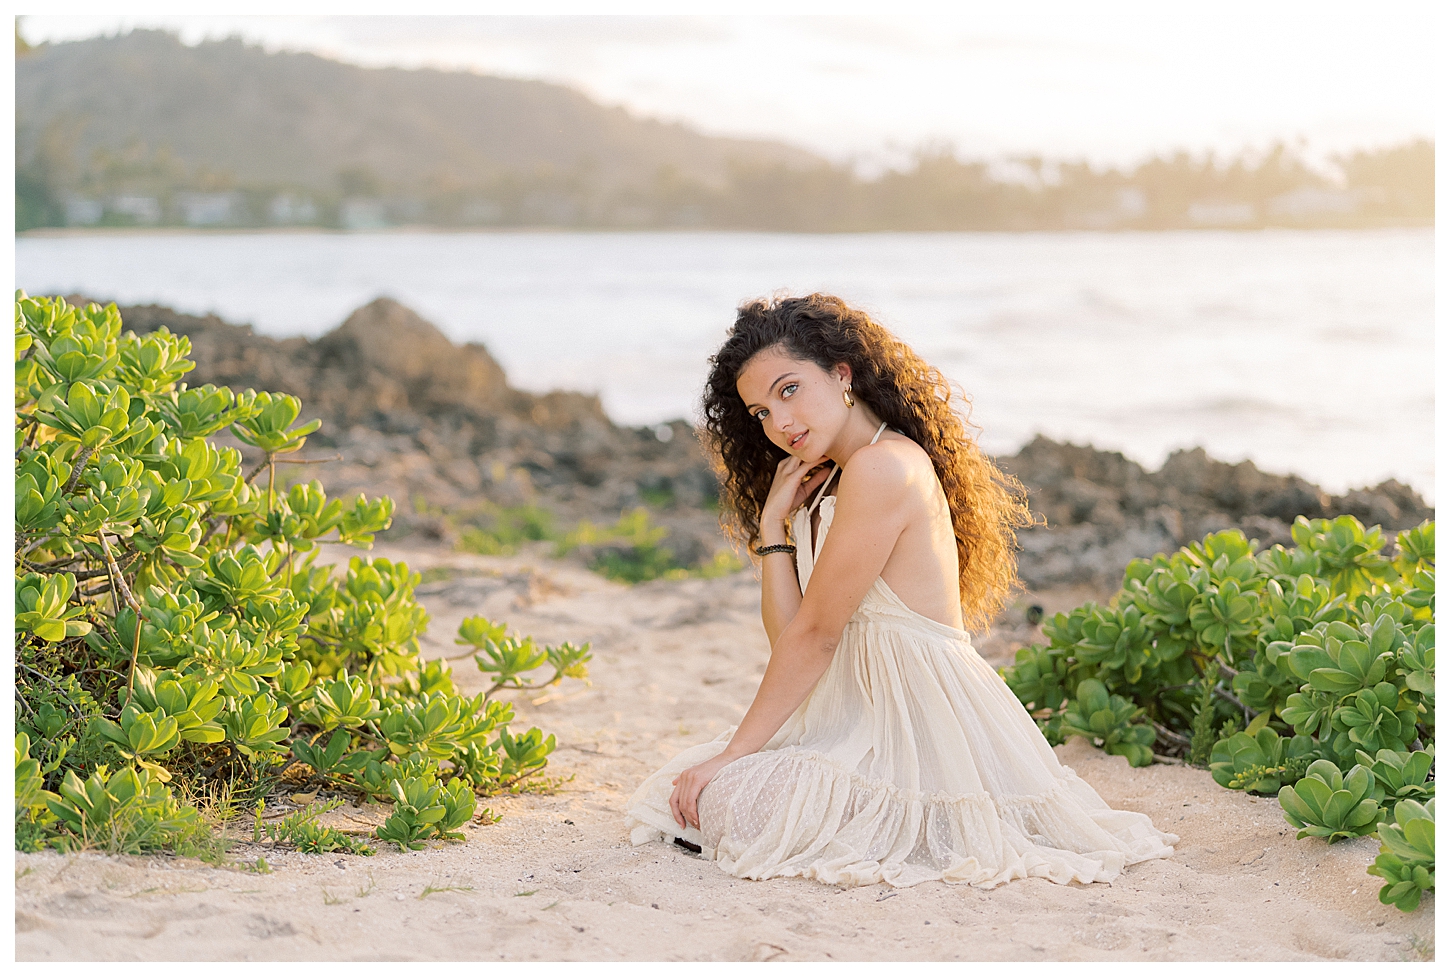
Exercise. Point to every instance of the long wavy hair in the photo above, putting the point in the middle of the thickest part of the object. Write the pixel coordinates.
(987, 505)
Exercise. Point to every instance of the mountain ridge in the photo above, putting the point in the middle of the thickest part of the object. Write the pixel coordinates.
(235, 112)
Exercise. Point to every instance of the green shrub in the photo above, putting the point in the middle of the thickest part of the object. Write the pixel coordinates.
(129, 811)
(1323, 654)
(1327, 804)
(1259, 762)
(173, 625)
(424, 808)
(502, 529)
(1107, 721)
(1406, 860)
(32, 809)
(1402, 776)
(628, 551)
(302, 830)
(1326, 640)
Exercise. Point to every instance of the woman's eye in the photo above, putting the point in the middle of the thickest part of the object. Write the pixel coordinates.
(787, 390)
(760, 415)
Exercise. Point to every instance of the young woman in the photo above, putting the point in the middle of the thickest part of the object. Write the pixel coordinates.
(880, 747)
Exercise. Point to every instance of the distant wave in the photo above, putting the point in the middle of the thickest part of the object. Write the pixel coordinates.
(1366, 335)
(1234, 408)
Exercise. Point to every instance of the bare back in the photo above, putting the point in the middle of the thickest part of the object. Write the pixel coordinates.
(922, 567)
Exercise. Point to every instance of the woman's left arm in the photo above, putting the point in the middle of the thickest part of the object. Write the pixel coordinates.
(871, 513)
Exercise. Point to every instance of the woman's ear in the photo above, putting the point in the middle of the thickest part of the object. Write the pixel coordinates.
(843, 372)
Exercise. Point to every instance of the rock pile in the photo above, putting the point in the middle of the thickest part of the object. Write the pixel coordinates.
(1103, 509)
(438, 427)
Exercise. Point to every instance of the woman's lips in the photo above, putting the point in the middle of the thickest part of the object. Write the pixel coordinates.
(795, 442)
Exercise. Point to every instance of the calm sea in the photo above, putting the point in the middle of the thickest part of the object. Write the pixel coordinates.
(1309, 352)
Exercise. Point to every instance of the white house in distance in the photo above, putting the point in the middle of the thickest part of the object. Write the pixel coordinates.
(1221, 213)
(285, 208)
(362, 214)
(83, 211)
(141, 209)
(207, 209)
(1307, 202)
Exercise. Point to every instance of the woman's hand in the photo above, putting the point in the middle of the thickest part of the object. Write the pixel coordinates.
(795, 479)
(688, 786)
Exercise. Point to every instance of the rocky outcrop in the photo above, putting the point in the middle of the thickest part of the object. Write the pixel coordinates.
(1103, 509)
(385, 365)
(438, 427)
(395, 360)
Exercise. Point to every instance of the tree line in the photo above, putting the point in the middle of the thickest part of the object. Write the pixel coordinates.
(1391, 186)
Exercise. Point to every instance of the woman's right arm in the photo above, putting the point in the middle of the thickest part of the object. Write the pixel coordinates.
(780, 591)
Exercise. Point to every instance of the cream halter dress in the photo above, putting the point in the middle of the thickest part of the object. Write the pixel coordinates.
(909, 761)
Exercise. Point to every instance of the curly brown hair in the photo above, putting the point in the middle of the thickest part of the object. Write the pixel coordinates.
(987, 505)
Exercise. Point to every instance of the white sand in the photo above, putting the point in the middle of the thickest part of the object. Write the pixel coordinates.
(675, 663)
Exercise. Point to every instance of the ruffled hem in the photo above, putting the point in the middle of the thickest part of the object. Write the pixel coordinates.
(797, 813)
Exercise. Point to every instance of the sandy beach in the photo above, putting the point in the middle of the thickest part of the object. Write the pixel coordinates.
(676, 662)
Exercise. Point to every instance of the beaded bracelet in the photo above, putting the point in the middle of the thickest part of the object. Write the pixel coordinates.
(775, 548)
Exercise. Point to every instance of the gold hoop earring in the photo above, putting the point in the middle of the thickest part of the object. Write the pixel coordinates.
(846, 396)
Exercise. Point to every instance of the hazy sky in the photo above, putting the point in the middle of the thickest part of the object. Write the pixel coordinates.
(1112, 82)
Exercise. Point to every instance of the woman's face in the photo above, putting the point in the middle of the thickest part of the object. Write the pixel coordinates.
(798, 405)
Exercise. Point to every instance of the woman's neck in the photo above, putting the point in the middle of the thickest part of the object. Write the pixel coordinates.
(860, 428)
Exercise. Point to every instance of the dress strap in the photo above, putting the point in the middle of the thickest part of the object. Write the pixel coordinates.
(878, 432)
(821, 492)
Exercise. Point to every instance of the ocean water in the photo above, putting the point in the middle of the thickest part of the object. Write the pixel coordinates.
(1307, 352)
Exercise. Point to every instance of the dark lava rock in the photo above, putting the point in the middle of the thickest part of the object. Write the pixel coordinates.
(1103, 509)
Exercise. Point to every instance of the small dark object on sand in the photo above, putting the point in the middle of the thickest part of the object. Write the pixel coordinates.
(688, 846)
(1034, 614)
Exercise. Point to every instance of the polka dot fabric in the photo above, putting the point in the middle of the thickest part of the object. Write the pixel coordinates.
(909, 761)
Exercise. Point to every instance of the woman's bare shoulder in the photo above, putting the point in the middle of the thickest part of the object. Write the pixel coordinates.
(889, 468)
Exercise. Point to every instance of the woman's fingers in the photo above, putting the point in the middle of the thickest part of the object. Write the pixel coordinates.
(682, 800)
(687, 808)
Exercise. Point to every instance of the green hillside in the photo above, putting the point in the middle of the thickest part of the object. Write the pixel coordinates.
(143, 114)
